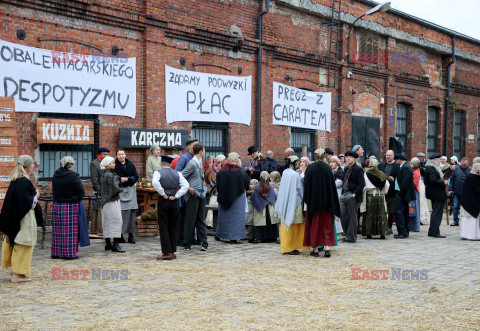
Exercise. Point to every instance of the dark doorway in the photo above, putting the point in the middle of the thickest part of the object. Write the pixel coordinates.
(366, 132)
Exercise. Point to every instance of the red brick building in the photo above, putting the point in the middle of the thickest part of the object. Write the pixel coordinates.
(391, 69)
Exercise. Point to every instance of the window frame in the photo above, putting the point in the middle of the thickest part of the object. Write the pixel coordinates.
(397, 118)
(434, 136)
(460, 152)
(209, 150)
(69, 147)
(299, 149)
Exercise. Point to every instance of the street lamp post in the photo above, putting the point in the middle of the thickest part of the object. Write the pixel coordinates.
(383, 7)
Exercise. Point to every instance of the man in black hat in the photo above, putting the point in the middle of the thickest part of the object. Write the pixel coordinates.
(167, 181)
(181, 164)
(258, 163)
(352, 196)
(95, 176)
(435, 184)
(405, 191)
(390, 168)
(329, 153)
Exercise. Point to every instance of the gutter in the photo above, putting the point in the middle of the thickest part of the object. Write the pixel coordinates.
(259, 77)
(447, 99)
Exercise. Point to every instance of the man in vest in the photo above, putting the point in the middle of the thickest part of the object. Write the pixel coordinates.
(166, 181)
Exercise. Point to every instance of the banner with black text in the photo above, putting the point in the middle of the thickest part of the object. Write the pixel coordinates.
(41, 80)
(195, 96)
(301, 108)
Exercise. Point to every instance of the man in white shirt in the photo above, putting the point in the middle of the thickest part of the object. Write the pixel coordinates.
(166, 181)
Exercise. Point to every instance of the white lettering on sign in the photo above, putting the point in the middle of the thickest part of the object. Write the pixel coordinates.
(139, 138)
(7, 158)
(195, 96)
(5, 118)
(4, 141)
(43, 80)
(301, 108)
(65, 132)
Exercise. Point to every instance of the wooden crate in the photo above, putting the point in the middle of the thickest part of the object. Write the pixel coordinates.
(147, 228)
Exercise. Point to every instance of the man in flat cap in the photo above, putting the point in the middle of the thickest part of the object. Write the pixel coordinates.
(232, 183)
(405, 190)
(95, 176)
(170, 185)
(435, 184)
(352, 196)
(357, 149)
(218, 162)
(421, 157)
(329, 153)
(181, 164)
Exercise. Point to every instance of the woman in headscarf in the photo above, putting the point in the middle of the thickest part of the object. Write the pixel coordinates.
(470, 205)
(18, 222)
(69, 222)
(211, 197)
(302, 166)
(275, 180)
(111, 208)
(338, 174)
(414, 222)
(375, 220)
(153, 161)
(289, 209)
(263, 200)
(127, 172)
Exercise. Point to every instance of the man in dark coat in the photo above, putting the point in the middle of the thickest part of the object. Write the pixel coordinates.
(258, 163)
(390, 168)
(271, 162)
(435, 191)
(95, 175)
(352, 196)
(405, 190)
(456, 184)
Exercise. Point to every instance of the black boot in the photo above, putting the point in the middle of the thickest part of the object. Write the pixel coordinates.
(121, 240)
(108, 244)
(131, 240)
(116, 247)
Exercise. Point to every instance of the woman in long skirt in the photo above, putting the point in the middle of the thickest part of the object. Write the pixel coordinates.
(470, 205)
(69, 223)
(127, 172)
(18, 222)
(111, 209)
(263, 200)
(375, 220)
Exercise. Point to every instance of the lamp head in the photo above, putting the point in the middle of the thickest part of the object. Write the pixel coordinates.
(383, 7)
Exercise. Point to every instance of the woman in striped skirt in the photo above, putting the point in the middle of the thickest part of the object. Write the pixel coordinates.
(69, 223)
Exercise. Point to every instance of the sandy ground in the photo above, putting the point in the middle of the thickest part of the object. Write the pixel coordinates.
(251, 287)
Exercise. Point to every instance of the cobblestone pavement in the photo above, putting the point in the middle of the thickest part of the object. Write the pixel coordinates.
(253, 286)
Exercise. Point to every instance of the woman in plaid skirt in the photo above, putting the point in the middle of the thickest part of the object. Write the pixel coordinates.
(69, 223)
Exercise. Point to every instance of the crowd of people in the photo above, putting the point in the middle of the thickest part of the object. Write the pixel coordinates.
(301, 204)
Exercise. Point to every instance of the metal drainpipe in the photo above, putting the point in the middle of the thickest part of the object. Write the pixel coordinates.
(447, 101)
(259, 75)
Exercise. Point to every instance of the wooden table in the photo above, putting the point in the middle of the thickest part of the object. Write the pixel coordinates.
(147, 198)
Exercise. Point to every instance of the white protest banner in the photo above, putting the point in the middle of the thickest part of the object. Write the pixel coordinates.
(301, 108)
(195, 96)
(56, 82)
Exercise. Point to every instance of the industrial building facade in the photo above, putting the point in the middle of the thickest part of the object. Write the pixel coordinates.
(389, 74)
